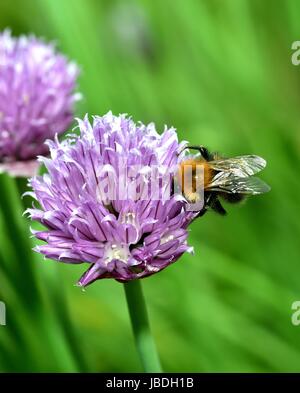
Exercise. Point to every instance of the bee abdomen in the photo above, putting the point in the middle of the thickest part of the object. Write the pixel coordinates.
(231, 197)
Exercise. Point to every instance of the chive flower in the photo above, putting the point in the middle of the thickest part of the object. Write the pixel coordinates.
(36, 100)
(100, 205)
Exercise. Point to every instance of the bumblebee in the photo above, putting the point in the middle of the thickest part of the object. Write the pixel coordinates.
(230, 179)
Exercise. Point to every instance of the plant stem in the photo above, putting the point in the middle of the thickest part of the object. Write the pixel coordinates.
(11, 211)
(21, 183)
(140, 325)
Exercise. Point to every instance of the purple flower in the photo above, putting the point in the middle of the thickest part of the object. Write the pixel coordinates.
(36, 100)
(93, 215)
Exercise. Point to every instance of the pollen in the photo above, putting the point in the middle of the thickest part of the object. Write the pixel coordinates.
(26, 98)
(116, 251)
(166, 239)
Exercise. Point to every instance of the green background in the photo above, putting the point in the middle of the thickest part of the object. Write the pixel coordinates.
(221, 73)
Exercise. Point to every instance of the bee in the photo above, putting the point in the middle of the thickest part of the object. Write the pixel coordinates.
(230, 179)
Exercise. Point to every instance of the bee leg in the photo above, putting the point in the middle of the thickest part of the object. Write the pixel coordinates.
(203, 151)
(207, 203)
(212, 202)
(202, 212)
(217, 207)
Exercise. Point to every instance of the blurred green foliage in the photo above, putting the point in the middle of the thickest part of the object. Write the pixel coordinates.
(219, 71)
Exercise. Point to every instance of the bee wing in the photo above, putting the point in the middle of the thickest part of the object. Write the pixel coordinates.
(242, 166)
(241, 185)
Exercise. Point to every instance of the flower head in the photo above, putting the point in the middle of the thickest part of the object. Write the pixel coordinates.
(101, 206)
(36, 99)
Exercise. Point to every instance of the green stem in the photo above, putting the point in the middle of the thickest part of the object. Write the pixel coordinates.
(141, 329)
(18, 233)
(22, 274)
(21, 183)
